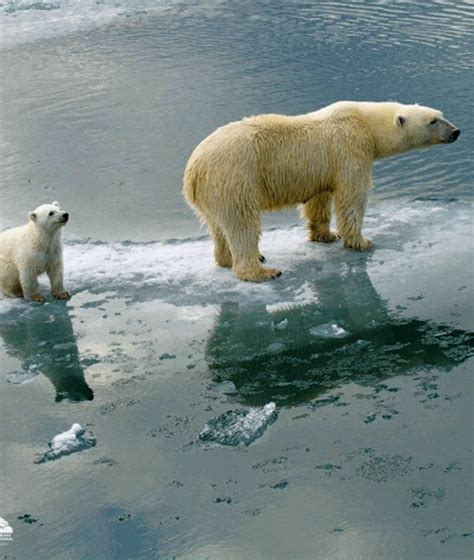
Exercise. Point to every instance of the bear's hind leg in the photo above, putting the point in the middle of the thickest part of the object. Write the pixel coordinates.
(318, 213)
(9, 279)
(222, 252)
(243, 240)
(12, 289)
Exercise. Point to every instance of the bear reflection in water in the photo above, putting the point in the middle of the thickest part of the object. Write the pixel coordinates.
(292, 355)
(43, 339)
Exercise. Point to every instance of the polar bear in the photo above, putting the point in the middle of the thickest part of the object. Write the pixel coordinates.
(29, 250)
(269, 162)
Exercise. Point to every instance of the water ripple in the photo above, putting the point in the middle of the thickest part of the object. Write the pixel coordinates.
(121, 104)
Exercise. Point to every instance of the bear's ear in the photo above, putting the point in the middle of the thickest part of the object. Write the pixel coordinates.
(56, 203)
(32, 216)
(400, 121)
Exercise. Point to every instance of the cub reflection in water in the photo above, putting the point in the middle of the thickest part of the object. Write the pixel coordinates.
(43, 339)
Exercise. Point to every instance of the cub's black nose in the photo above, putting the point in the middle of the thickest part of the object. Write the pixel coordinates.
(66, 216)
(455, 134)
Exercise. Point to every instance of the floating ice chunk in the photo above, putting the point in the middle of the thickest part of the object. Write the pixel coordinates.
(67, 440)
(236, 427)
(6, 532)
(227, 387)
(30, 371)
(325, 402)
(66, 443)
(275, 347)
(371, 417)
(282, 325)
(328, 330)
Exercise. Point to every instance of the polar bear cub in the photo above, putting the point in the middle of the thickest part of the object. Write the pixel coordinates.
(32, 249)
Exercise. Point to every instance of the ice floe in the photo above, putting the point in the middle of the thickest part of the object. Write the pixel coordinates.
(184, 271)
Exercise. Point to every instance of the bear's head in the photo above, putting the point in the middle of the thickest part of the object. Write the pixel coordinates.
(421, 127)
(49, 217)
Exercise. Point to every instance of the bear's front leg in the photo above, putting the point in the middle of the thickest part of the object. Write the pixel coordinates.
(55, 274)
(351, 201)
(30, 286)
(317, 211)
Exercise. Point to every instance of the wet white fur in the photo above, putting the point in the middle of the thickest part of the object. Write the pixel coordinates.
(31, 250)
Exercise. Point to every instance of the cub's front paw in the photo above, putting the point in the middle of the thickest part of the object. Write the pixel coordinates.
(63, 294)
(38, 298)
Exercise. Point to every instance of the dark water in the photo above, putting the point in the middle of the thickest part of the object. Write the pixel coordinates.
(368, 358)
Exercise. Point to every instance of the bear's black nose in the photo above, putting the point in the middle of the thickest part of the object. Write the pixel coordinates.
(455, 134)
(66, 216)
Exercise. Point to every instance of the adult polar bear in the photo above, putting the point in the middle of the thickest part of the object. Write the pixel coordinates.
(268, 162)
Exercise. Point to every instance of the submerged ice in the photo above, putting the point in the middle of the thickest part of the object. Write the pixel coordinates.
(65, 443)
(239, 427)
(328, 330)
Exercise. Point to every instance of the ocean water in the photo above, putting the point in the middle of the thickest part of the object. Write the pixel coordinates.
(325, 415)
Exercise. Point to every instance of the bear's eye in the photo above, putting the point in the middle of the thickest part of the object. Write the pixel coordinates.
(434, 121)
(51, 213)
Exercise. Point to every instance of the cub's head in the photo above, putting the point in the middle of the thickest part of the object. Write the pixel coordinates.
(423, 127)
(49, 217)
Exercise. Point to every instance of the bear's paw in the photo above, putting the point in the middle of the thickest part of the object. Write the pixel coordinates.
(63, 294)
(260, 274)
(326, 237)
(359, 244)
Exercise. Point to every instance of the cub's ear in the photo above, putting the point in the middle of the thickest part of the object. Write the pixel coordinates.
(400, 121)
(32, 216)
(56, 203)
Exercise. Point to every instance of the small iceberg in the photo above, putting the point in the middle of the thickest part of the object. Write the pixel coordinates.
(239, 427)
(72, 441)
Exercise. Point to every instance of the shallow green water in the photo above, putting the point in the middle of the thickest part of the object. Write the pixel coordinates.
(368, 358)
